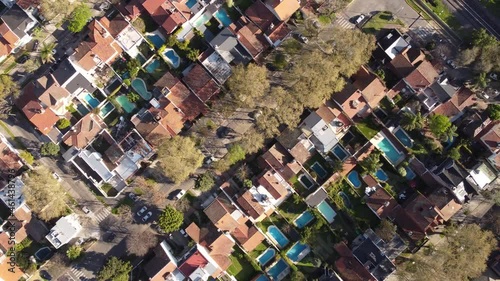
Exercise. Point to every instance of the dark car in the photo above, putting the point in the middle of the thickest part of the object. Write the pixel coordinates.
(45, 275)
(173, 194)
(109, 236)
(35, 45)
(23, 59)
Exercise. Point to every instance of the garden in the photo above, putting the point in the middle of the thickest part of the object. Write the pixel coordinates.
(242, 267)
(379, 21)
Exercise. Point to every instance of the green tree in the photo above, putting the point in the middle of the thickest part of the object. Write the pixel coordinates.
(454, 153)
(63, 123)
(27, 157)
(386, 230)
(371, 163)
(115, 270)
(297, 276)
(47, 52)
(74, 252)
(43, 194)
(337, 166)
(248, 84)
(79, 18)
(133, 97)
(410, 121)
(133, 66)
(179, 157)
(170, 219)
(8, 88)
(493, 111)
(481, 38)
(49, 149)
(402, 171)
(251, 141)
(438, 125)
(205, 181)
(193, 54)
(481, 81)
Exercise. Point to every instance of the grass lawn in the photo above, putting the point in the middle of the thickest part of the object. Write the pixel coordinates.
(368, 128)
(379, 21)
(292, 208)
(241, 266)
(359, 210)
(443, 12)
(317, 158)
(323, 244)
(294, 181)
(258, 250)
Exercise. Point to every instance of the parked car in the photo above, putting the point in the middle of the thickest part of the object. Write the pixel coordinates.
(85, 209)
(147, 217)
(23, 59)
(133, 197)
(494, 76)
(303, 39)
(183, 232)
(56, 176)
(180, 194)
(451, 64)
(35, 46)
(142, 210)
(45, 275)
(109, 236)
(360, 19)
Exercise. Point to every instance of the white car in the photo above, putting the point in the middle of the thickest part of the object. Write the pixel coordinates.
(147, 216)
(180, 194)
(56, 176)
(142, 210)
(360, 19)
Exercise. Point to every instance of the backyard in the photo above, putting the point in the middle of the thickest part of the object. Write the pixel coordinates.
(242, 267)
(367, 127)
(292, 208)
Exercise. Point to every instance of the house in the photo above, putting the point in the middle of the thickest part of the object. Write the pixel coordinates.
(127, 37)
(165, 14)
(315, 198)
(445, 201)
(319, 133)
(227, 217)
(199, 266)
(278, 159)
(405, 62)
(489, 138)
(227, 45)
(372, 89)
(215, 65)
(98, 49)
(351, 102)
(201, 83)
(84, 131)
(252, 206)
(389, 45)
(349, 267)
(74, 82)
(42, 102)
(473, 123)
(283, 9)
(271, 183)
(181, 97)
(250, 36)
(15, 26)
(10, 162)
(163, 264)
(66, 228)
(294, 148)
(422, 76)
(275, 31)
(456, 106)
(161, 120)
(483, 173)
(456, 179)
(381, 203)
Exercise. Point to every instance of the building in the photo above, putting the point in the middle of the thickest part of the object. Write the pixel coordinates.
(84, 131)
(321, 134)
(166, 13)
(250, 36)
(227, 45)
(201, 83)
(275, 30)
(349, 268)
(163, 264)
(66, 228)
(283, 9)
(15, 28)
(381, 203)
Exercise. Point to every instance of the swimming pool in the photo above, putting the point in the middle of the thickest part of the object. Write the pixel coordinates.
(223, 17)
(140, 87)
(409, 173)
(93, 102)
(298, 251)
(403, 137)
(266, 256)
(172, 57)
(381, 175)
(191, 3)
(156, 39)
(353, 178)
(262, 277)
(127, 106)
(305, 181)
(327, 211)
(202, 20)
(304, 219)
(279, 270)
(340, 152)
(153, 66)
(390, 152)
(345, 198)
(43, 254)
(106, 109)
(277, 236)
(320, 171)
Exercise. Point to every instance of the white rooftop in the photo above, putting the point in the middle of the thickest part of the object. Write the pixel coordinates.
(66, 228)
(482, 175)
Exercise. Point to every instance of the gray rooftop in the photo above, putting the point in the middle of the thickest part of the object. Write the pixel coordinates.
(17, 20)
(227, 45)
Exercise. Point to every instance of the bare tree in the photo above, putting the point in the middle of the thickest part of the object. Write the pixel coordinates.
(140, 242)
(150, 188)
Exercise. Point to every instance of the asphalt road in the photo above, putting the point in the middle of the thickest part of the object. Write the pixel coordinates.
(475, 14)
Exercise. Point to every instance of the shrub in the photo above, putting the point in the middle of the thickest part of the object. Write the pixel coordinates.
(205, 181)
(170, 219)
(27, 157)
(280, 61)
(402, 171)
(133, 97)
(63, 123)
(106, 187)
(127, 82)
(74, 252)
(79, 18)
(49, 149)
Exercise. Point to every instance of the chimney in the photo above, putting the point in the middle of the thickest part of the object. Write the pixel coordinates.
(157, 117)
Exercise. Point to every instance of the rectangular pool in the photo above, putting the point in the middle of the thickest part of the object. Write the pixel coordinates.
(279, 270)
(266, 256)
(93, 102)
(305, 181)
(223, 17)
(327, 211)
(278, 236)
(106, 109)
(340, 152)
(403, 137)
(319, 170)
(298, 251)
(390, 152)
(191, 3)
(304, 219)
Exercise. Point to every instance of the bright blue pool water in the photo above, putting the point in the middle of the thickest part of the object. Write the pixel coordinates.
(304, 219)
(156, 40)
(172, 57)
(191, 3)
(409, 174)
(279, 270)
(353, 178)
(277, 236)
(297, 252)
(319, 169)
(327, 211)
(266, 256)
(403, 137)
(223, 17)
(107, 108)
(140, 87)
(152, 66)
(93, 102)
(390, 152)
(340, 152)
(125, 104)
(306, 181)
(381, 175)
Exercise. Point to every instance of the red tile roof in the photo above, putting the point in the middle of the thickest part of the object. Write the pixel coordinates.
(10, 162)
(195, 261)
(349, 268)
(463, 98)
(248, 237)
(278, 32)
(349, 100)
(201, 83)
(271, 184)
(249, 205)
(83, 132)
(165, 14)
(284, 9)
(250, 36)
(370, 85)
(219, 212)
(422, 76)
(260, 15)
(181, 97)
(381, 203)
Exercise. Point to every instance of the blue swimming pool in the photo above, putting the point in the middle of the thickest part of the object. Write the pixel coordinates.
(298, 251)
(202, 20)
(106, 109)
(153, 66)
(403, 137)
(262, 277)
(340, 152)
(409, 173)
(93, 102)
(191, 3)
(140, 87)
(381, 175)
(43, 254)
(353, 178)
(266, 256)
(390, 152)
(172, 57)
(279, 270)
(306, 182)
(127, 106)
(327, 211)
(223, 17)
(304, 219)
(278, 236)
(320, 171)
(156, 39)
